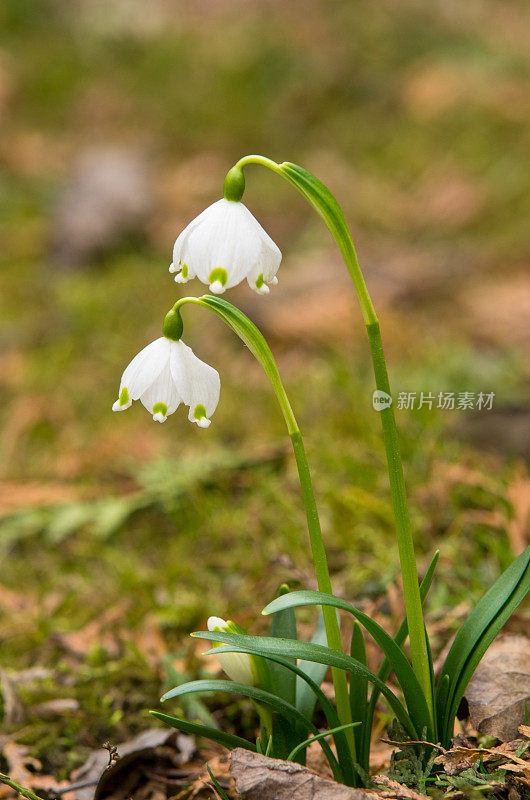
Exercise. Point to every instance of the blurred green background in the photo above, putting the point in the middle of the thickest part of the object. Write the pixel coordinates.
(119, 122)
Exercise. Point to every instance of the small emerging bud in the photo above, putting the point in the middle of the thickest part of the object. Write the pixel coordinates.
(239, 667)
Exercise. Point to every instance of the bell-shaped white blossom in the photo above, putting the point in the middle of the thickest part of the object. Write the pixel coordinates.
(222, 246)
(165, 374)
(238, 666)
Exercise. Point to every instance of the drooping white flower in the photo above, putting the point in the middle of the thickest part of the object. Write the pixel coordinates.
(165, 374)
(223, 245)
(238, 666)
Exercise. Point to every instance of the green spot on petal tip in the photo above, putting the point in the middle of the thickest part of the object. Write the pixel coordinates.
(218, 274)
(199, 412)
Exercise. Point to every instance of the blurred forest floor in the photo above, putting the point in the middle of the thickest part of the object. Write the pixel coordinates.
(118, 536)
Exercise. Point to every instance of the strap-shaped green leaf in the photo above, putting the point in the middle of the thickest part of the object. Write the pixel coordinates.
(259, 696)
(305, 698)
(312, 739)
(385, 669)
(317, 194)
(284, 735)
(283, 626)
(358, 685)
(256, 343)
(264, 646)
(228, 740)
(314, 689)
(476, 635)
(410, 686)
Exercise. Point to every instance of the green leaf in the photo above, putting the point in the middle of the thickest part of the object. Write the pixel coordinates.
(217, 786)
(403, 630)
(259, 696)
(410, 686)
(305, 697)
(318, 195)
(256, 343)
(358, 685)
(331, 715)
(283, 626)
(312, 739)
(227, 740)
(476, 635)
(385, 669)
(265, 646)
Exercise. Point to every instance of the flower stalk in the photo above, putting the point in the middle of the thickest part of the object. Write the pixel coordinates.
(327, 207)
(256, 343)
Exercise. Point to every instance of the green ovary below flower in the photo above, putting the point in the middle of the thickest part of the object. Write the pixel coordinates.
(239, 667)
(224, 245)
(165, 374)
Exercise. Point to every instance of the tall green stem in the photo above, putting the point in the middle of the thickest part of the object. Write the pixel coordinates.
(324, 583)
(254, 340)
(327, 207)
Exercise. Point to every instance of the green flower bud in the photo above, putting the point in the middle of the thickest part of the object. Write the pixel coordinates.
(234, 184)
(239, 667)
(173, 325)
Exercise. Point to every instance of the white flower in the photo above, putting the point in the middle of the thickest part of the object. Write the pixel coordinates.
(165, 374)
(238, 666)
(222, 246)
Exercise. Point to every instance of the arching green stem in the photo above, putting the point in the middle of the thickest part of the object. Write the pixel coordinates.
(254, 340)
(327, 207)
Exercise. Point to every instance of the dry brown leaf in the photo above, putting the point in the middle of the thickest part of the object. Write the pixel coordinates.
(54, 708)
(104, 779)
(395, 789)
(21, 768)
(220, 767)
(101, 630)
(151, 642)
(13, 706)
(499, 688)
(258, 777)
(14, 496)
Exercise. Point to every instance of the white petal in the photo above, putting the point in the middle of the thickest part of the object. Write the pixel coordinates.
(164, 391)
(224, 239)
(116, 406)
(270, 257)
(263, 289)
(196, 382)
(145, 368)
(266, 267)
(216, 623)
(179, 248)
(226, 236)
(238, 667)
